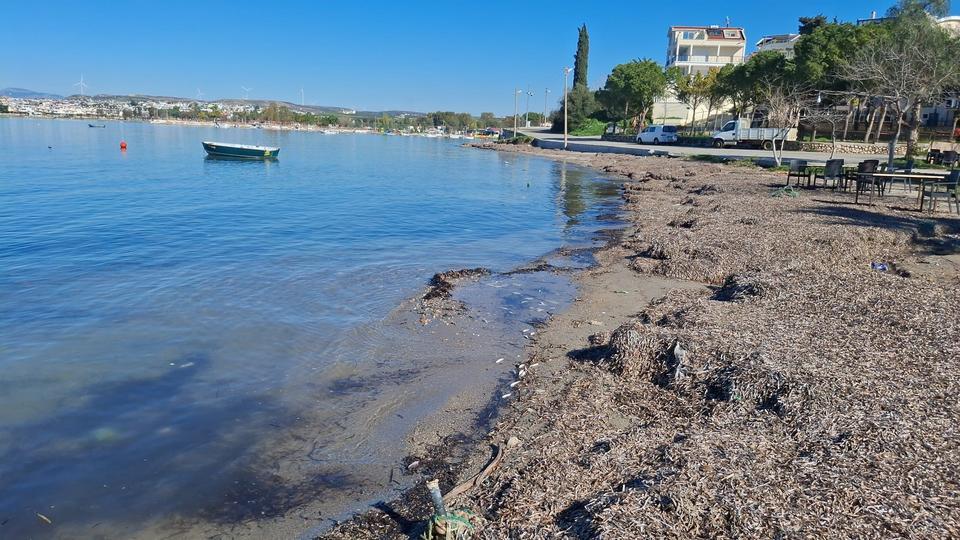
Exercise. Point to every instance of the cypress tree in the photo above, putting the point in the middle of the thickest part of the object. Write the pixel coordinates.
(580, 60)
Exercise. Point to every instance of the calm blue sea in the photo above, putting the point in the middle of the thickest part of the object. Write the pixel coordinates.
(154, 301)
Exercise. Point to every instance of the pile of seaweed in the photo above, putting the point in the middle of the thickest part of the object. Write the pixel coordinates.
(808, 395)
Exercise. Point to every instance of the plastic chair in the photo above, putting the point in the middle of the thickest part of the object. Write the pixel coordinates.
(832, 171)
(864, 179)
(798, 170)
(944, 190)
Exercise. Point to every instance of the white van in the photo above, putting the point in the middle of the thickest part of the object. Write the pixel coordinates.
(656, 134)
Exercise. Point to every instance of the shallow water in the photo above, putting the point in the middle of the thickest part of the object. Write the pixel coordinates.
(170, 325)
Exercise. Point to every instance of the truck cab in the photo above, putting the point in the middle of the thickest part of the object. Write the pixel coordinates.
(726, 135)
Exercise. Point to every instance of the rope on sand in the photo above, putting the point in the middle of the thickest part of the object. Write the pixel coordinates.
(477, 478)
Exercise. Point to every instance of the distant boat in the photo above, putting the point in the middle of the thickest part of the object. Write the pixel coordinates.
(245, 151)
(97, 125)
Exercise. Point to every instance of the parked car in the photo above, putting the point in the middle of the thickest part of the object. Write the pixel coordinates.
(656, 134)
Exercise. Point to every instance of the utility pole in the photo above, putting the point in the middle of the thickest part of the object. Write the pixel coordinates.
(543, 121)
(516, 110)
(566, 72)
(526, 117)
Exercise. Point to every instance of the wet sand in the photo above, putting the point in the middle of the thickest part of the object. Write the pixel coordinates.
(732, 367)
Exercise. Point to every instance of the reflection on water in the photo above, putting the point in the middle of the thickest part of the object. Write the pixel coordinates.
(203, 338)
(576, 191)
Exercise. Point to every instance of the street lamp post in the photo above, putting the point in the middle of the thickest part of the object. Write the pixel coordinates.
(543, 121)
(566, 72)
(526, 116)
(516, 110)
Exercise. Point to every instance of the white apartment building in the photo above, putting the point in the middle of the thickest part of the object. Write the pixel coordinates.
(696, 49)
(781, 43)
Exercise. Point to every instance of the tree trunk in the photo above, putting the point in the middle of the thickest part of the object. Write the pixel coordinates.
(883, 118)
(872, 115)
(846, 121)
(892, 147)
(913, 135)
(693, 120)
(833, 138)
(858, 117)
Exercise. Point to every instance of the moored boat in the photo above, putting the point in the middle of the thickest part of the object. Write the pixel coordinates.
(97, 125)
(245, 151)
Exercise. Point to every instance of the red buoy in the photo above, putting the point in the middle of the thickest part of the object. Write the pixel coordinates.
(123, 145)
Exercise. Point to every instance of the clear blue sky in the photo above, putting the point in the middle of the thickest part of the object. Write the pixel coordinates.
(423, 56)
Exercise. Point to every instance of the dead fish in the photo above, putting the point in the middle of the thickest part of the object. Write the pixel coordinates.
(44, 518)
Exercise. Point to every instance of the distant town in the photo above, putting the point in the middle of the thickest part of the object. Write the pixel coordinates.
(239, 113)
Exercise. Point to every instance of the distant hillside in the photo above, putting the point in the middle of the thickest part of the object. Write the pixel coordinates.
(263, 103)
(23, 93)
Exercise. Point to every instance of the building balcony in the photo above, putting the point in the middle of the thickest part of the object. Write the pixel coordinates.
(704, 60)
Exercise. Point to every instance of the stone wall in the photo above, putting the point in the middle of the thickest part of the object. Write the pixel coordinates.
(845, 147)
(825, 147)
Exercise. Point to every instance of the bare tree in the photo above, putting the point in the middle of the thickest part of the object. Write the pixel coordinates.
(907, 68)
(783, 101)
(830, 115)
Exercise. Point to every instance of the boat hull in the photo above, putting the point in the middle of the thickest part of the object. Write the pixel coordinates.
(242, 152)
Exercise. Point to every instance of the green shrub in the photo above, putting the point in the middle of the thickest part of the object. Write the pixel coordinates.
(590, 127)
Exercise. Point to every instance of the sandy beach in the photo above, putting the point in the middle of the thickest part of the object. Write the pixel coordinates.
(735, 366)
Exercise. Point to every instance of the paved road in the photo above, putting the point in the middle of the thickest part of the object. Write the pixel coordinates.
(594, 144)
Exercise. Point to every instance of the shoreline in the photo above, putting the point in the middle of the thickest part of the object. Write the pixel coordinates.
(617, 427)
(270, 486)
(444, 314)
(264, 126)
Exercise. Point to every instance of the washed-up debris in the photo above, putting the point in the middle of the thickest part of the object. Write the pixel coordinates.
(815, 402)
(442, 284)
(787, 191)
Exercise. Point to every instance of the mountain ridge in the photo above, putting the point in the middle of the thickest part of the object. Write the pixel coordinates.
(24, 93)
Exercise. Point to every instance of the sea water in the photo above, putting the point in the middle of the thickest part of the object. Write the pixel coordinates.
(166, 318)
